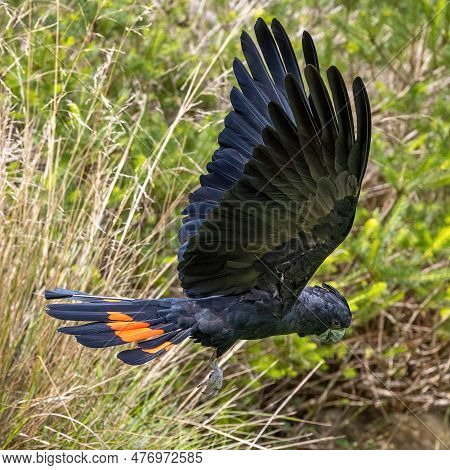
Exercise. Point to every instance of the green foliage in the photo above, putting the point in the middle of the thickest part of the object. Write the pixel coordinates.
(109, 111)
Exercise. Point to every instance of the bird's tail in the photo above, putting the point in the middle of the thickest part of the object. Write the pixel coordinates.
(117, 321)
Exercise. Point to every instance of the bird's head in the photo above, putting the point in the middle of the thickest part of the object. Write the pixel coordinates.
(324, 314)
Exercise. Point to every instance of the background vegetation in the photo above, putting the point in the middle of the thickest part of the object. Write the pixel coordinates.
(109, 110)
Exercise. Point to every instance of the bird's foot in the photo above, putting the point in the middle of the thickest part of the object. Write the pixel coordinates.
(214, 382)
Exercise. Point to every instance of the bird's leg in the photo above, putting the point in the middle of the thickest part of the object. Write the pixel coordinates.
(215, 379)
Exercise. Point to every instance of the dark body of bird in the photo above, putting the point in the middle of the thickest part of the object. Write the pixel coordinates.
(279, 196)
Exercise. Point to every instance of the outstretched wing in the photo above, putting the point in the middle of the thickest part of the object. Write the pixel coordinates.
(281, 191)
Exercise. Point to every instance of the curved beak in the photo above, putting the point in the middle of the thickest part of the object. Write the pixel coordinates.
(329, 336)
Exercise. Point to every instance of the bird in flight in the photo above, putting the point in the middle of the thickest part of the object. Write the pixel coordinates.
(279, 196)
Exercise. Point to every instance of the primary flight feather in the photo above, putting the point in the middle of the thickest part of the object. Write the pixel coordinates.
(279, 195)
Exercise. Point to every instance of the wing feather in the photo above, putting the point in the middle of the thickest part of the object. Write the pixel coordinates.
(281, 191)
(287, 52)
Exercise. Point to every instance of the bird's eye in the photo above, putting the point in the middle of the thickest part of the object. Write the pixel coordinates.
(336, 323)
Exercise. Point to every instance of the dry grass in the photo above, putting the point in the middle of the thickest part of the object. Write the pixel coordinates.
(62, 224)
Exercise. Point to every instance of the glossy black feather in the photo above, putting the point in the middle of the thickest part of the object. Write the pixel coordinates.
(300, 160)
(279, 195)
(271, 55)
(287, 52)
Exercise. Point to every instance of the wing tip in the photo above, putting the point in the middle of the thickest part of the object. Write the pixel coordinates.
(276, 23)
(245, 37)
(311, 68)
(260, 23)
(333, 70)
(358, 82)
(307, 36)
(308, 42)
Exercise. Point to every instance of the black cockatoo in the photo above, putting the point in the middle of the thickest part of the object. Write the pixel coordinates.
(279, 195)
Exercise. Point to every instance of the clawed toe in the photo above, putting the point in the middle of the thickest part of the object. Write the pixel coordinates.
(214, 382)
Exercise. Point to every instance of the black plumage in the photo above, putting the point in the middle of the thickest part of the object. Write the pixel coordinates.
(279, 195)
